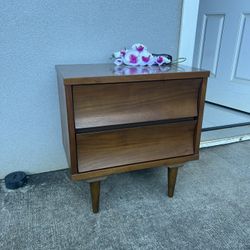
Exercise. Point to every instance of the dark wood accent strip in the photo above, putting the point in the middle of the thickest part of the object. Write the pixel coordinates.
(133, 125)
(133, 167)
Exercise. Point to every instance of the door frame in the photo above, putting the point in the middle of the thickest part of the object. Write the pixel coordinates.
(189, 17)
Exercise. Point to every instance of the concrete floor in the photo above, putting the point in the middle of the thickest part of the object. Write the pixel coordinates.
(210, 209)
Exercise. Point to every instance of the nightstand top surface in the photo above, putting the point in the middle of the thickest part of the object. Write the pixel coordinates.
(76, 74)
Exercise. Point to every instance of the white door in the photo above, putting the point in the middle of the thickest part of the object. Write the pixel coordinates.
(223, 46)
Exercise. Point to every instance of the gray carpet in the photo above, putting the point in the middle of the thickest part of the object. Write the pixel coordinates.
(210, 209)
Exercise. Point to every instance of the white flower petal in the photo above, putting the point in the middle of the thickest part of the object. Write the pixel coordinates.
(166, 60)
(138, 45)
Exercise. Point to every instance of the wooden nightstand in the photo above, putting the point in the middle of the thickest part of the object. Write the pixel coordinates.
(120, 119)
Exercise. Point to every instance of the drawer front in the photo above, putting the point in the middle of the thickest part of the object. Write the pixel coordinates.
(122, 103)
(134, 145)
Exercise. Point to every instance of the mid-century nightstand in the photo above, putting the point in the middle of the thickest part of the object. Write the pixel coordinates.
(116, 120)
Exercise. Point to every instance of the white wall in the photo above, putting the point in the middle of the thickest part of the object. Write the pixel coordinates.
(35, 35)
(188, 30)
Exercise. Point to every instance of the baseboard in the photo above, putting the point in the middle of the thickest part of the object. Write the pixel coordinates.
(224, 141)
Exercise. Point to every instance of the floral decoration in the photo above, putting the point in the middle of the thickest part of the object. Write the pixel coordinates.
(139, 55)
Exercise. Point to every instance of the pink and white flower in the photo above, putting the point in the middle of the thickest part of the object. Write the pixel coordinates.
(159, 60)
(131, 57)
(146, 58)
(138, 55)
(119, 54)
(139, 47)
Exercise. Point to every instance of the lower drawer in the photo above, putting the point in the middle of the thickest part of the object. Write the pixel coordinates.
(134, 145)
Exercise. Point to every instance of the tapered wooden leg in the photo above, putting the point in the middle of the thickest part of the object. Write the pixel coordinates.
(95, 194)
(172, 174)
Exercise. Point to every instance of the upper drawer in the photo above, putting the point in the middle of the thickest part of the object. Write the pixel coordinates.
(123, 103)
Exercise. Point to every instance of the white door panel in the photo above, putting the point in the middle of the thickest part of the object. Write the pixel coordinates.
(223, 46)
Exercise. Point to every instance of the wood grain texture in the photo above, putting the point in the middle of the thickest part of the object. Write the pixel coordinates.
(110, 104)
(201, 103)
(130, 112)
(172, 175)
(126, 146)
(107, 73)
(133, 167)
(71, 129)
(67, 122)
(95, 195)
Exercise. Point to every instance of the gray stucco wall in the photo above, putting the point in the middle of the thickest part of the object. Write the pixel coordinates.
(35, 35)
